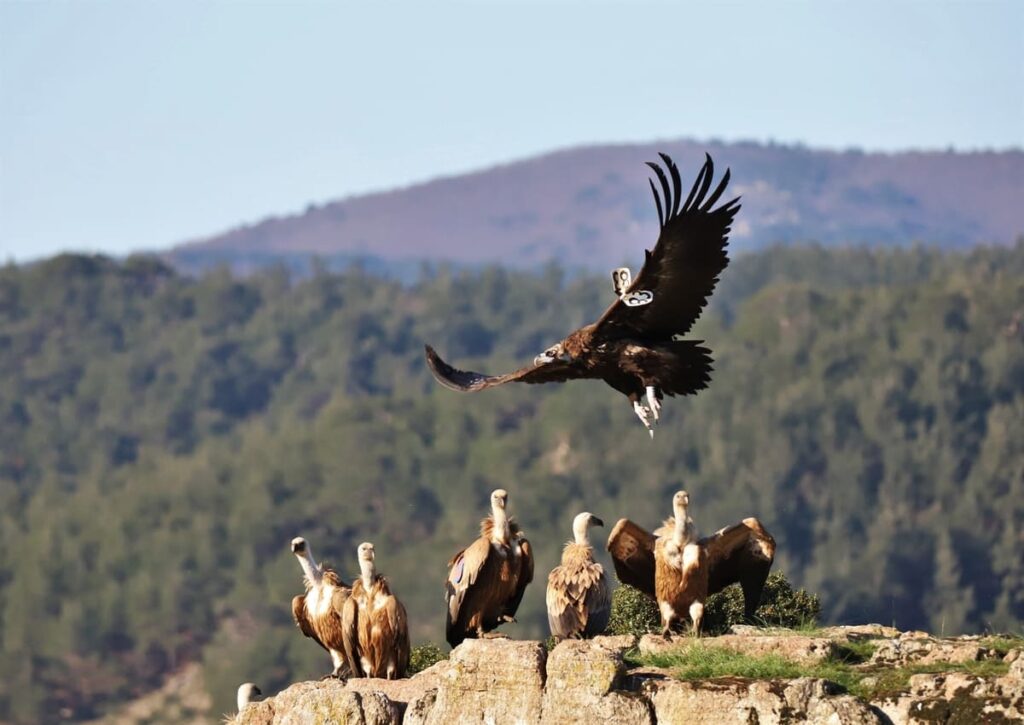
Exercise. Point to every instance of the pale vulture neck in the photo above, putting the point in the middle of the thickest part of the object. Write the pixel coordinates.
(682, 531)
(579, 530)
(309, 568)
(500, 532)
(368, 571)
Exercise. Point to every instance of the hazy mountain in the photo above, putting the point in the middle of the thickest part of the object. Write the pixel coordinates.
(591, 207)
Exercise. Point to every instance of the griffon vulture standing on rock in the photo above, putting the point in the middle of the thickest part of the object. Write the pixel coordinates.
(680, 569)
(634, 345)
(376, 627)
(739, 554)
(578, 597)
(318, 612)
(486, 580)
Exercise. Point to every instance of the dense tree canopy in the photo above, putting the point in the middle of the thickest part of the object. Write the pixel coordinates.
(164, 437)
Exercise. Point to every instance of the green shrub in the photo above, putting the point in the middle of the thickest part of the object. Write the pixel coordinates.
(633, 612)
(781, 606)
(425, 655)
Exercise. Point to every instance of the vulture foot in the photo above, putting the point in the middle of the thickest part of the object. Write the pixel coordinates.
(645, 415)
(508, 618)
(653, 403)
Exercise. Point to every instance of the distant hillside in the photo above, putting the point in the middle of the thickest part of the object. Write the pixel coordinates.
(591, 207)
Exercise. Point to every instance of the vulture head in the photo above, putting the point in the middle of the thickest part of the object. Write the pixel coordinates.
(553, 353)
(298, 546)
(247, 693)
(365, 552)
(582, 523)
(499, 497)
(680, 502)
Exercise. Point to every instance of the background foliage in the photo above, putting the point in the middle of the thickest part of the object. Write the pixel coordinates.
(164, 437)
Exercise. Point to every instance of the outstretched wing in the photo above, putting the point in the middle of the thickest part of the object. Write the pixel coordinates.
(466, 381)
(742, 553)
(683, 268)
(632, 550)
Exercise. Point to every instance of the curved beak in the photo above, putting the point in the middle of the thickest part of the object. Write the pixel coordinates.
(594, 521)
(544, 358)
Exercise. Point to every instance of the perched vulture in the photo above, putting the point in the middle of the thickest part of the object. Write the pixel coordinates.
(738, 554)
(578, 597)
(680, 569)
(376, 627)
(633, 346)
(246, 693)
(318, 612)
(486, 580)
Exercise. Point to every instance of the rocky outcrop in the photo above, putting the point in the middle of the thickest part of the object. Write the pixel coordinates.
(497, 681)
(922, 648)
(740, 701)
(327, 701)
(586, 684)
(957, 698)
(800, 648)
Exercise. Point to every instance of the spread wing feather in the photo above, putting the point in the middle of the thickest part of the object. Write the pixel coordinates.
(632, 550)
(683, 268)
(466, 381)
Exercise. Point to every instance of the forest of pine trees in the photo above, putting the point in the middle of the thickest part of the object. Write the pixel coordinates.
(164, 437)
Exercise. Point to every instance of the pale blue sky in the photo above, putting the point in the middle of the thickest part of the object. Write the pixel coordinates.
(129, 125)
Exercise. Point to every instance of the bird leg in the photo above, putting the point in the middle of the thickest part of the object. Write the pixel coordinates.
(645, 416)
(508, 618)
(653, 403)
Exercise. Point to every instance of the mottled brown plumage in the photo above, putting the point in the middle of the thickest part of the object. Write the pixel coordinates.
(739, 554)
(374, 624)
(578, 596)
(318, 613)
(633, 347)
(486, 580)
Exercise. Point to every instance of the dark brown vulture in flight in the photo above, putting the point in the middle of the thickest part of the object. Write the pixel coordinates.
(486, 580)
(742, 553)
(633, 346)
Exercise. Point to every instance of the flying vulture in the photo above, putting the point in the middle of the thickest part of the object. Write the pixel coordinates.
(376, 627)
(486, 580)
(634, 346)
(246, 693)
(680, 569)
(741, 553)
(318, 612)
(578, 597)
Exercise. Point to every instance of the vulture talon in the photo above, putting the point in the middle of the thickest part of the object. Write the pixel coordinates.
(645, 416)
(652, 402)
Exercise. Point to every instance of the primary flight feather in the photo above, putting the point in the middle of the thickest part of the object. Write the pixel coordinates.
(634, 345)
